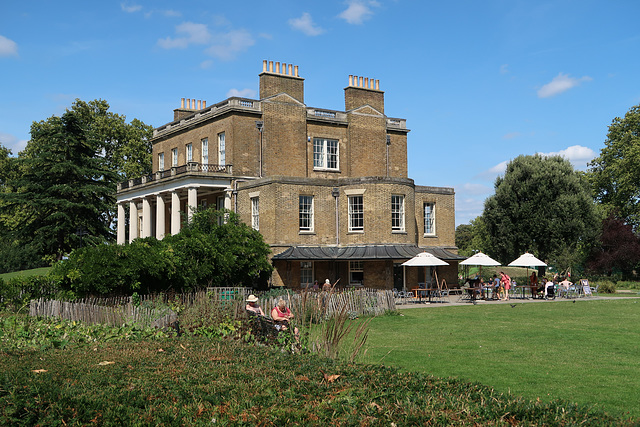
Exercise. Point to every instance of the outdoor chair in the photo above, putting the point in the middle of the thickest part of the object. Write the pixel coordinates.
(549, 291)
(584, 286)
(595, 290)
(263, 328)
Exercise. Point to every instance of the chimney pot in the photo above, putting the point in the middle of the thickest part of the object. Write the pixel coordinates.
(182, 103)
(204, 104)
(193, 103)
(271, 66)
(277, 67)
(296, 70)
(264, 66)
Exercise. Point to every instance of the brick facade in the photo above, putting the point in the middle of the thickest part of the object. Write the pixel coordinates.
(278, 149)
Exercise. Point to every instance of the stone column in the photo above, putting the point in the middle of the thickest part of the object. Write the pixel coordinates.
(227, 198)
(192, 201)
(133, 221)
(146, 218)
(175, 213)
(159, 217)
(121, 220)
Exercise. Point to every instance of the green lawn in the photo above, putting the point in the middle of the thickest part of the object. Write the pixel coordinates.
(586, 352)
(34, 272)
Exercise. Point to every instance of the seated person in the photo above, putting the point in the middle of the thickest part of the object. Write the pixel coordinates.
(253, 307)
(549, 289)
(281, 314)
(564, 286)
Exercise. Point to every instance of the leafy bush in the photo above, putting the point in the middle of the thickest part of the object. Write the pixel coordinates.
(606, 287)
(145, 265)
(17, 291)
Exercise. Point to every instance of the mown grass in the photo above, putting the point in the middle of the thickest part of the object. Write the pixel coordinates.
(585, 352)
(197, 381)
(26, 273)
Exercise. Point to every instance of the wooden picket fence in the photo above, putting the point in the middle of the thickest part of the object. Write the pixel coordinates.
(114, 315)
(117, 311)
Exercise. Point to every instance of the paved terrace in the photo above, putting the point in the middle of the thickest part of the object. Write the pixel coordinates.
(454, 300)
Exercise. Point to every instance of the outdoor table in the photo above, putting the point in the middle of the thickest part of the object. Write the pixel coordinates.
(521, 289)
(472, 291)
(420, 291)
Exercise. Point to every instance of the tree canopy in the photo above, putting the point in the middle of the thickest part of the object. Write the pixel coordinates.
(615, 174)
(59, 193)
(541, 205)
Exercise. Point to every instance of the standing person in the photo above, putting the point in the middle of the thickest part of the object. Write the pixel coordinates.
(327, 286)
(316, 288)
(253, 306)
(533, 284)
(505, 285)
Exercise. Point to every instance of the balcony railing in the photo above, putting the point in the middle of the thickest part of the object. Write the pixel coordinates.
(191, 167)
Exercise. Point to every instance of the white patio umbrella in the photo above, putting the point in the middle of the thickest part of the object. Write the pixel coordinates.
(480, 259)
(527, 260)
(424, 259)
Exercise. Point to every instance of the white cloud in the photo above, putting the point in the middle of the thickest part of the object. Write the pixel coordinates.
(578, 155)
(242, 93)
(193, 34)
(305, 24)
(7, 47)
(130, 8)
(12, 143)
(560, 83)
(227, 46)
(468, 209)
(474, 189)
(358, 11)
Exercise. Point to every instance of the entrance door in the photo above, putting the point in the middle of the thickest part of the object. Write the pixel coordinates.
(398, 276)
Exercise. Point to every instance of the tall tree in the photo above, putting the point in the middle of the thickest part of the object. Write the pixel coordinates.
(541, 205)
(618, 249)
(64, 187)
(56, 161)
(615, 174)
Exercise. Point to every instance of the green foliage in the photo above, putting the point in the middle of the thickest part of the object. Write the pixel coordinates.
(617, 251)
(23, 333)
(217, 249)
(58, 194)
(605, 287)
(615, 174)
(543, 206)
(197, 382)
(145, 266)
(15, 293)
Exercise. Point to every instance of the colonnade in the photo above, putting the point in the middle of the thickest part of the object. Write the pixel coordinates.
(141, 223)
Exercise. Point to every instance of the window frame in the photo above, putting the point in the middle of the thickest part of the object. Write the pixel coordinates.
(429, 229)
(204, 151)
(255, 213)
(306, 272)
(306, 213)
(397, 213)
(174, 157)
(356, 266)
(189, 152)
(222, 149)
(161, 161)
(322, 158)
(356, 216)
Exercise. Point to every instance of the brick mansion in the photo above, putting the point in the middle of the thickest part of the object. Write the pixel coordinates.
(328, 190)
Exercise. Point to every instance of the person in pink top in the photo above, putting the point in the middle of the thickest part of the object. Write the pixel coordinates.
(505, 281)
(281, 314)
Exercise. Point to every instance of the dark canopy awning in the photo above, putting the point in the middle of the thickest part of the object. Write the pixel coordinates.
(368, 252)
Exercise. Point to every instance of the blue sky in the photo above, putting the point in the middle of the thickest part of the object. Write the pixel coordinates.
(479, 82)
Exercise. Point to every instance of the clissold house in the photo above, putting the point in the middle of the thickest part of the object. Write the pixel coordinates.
(327, 189)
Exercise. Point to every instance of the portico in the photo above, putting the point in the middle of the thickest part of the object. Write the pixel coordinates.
(153, 208)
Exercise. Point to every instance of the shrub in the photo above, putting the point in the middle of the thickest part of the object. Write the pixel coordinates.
(607, 287)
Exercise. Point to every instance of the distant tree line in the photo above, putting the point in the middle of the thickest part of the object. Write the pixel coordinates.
(572, 220)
